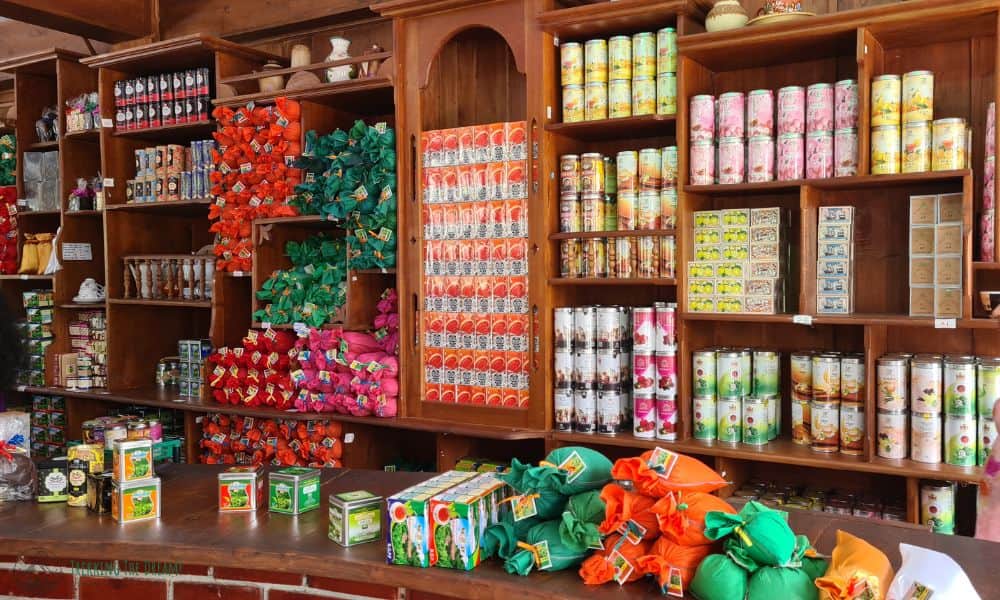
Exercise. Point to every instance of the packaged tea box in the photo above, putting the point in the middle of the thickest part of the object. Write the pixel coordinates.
(53, 481)
(293, 490)
(355, 518)
(135, 500)
(133, 460)
(77, 472)
(99, 489)
(459, 518)
(409, 519)
(241, 489)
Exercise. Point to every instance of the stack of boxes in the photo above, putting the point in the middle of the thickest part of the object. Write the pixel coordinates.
(48, 426)
(88, 338)
(162, 100)
(38, 331)
(172, 172)
(409, 517)
(936, 256)
(135, 491)
(835, 261)
(739, 261)
(41, 180)
(193, 354)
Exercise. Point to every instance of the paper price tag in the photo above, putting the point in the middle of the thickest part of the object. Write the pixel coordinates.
(301, 329)
(945, 323)
(24, 277)
(348, 438)
(109, 182)
(109, 123)
(802, 319)
(22, 388)
(265, 325)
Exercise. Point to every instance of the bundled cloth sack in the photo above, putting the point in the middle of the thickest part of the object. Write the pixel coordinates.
(761, 533)
(543, 549)
(719, 577)
(858, 571)
(929, 574)
(629, 513)
(793, 581)
(584, 513)
(658, 472)
(681, 516)
(569, 470)
(673, 565)
(500, 539)
(618, 561)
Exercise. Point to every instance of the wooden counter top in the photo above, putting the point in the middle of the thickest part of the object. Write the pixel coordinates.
(192, 531)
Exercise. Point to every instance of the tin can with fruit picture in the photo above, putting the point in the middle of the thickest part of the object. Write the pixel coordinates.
(732, 115)
(609, 412)
(885, 150)
(937, 506)
(643, 373)
(668, 166)
(650, 166)
(666, 373)
(760, 159)
(666, 94)
(845, 99)
(755, 428)
(987, 438)
(916, 147)
(591, 173)
(845, 153)
(960, 385)
(988, 385)
(571, 63)
(730, 416)
(773, 416)
(585, 410)
(852, 378)
(801, 422)
(760, 114)
(746, 363)
(644, 421)
(819, 155)
(825, 428)
(893, 383)
(705, 423)
(623, 257)
(819, 107)
(790, 157)
(643, 96)
(729, 370)
(573, 103)
(886, 100)
(644, 55)
(596, 101)
(703, 366)
(825, 377)
(925, 437)
(731, 156)
(801, 371)
(925, 385)
(595, 60)
(627, 171)
(620, 58)
(791, 110)
(703, 162)
(666, 326)
(666, 51)
(960, 436)
(949, 145)
(563, 409)
(619, 98)
(766, 373)
(702, 117)
(668, 208)
(646, 264)
(892, 439)
(918, 96)
(852, 428)
(643, 329)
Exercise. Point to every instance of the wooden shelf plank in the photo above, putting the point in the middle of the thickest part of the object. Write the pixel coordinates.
(616, 129)
(84, 213)
(582, 235)
(296, 220)
(665, 281)
(621, 17)
(171, 134)
(16, 277)
(81, 306)
(374, 271)
(88, 135)
(372, 95)
(700, 316)
(151, 302)
(192, 208)
(28, 214)
(976, 266)
(184, 52)
(42, 146)
(858, 319)
(858, 182)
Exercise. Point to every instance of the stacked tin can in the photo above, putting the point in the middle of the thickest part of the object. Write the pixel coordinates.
(835, 260)
(828, 392)
(987, 221)
(736, 395)
(162, 100)
(937, 506)
(172, 172)
(654, 371)
(622, 77)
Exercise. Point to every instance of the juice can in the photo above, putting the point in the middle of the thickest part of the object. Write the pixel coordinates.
(619, 98)
(801, 422)
(925, 438)
(573, 103)
(819, 108)
(852, 428)
(643, 329)
(703, 162)
(666, 94)
(585, 410)
(667, 252)
(563, 366)
(563, 409)
(584, 328)
(731, 160)
(623, 257)
(916, 147)
(647, 212)
(732, 115)
(620, 57)
(987, 438)
(666, 418)
(570, 214)
(650, 165)
(755, 427)
(644, 419)
(766, 373)
(666, 51)
(960, 385)
(592, 212)
(825, 377)
(571, 63)
(569, 174)
(644, 55)
(608, 370)
(949, 145)
(937, 506)
(562, 328)
(845, 100)
(886, 100)
(626, 206)
(643, 96)
(918, 96)
(893, 383)
(643, 373)
(595, 53)
(885, 150)
(705, 424)
(988, 385)
(852, 378)
(666, 373)
(925, 385)
(609, 332)
(790, 157)
(584, 369)
(646, 257)
(791, 110)
(702, 118)
(760, 159)
(892, 438)
(591, 173)
(668, 207)
(825, 428)
(960, 435)
(730, 416)
(668, 166)
(627, 165)
(729, 372)
(703, 371)
(819, 155)
(760, 113)
(569, 259)
(595, 257)
(845, 153)
(666, 326)
(596, 106)
(609, 412)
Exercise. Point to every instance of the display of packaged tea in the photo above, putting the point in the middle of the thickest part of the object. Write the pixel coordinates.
(293, 490)
(241, 489)
(355, 518)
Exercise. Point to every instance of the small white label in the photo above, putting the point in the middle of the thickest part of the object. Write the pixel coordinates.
(301, 329)
(265, 325)
(348, 438)
(555, 40)
(22, 388)
(109, 123)
(548, 112)
(109, 182)
(24, 277)
(945, 323)
(74, 251)
(802, 319)
(239, 274)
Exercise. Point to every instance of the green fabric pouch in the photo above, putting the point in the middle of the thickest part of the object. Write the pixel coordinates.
(544, 550)
(568, 470)
(584, 512)
(762, 533)
(500, 539)
(720, 578)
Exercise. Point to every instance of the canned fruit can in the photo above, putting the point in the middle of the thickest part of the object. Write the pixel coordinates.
(592, 212)
(988, 385)
(627, 171)
(825, 377)
(766, 373)
(668, 166)
(644, 55)
(595, 60)
(570, 214)
(791, 110)
(666, 374)
(666, 327)
(570, 259)
(760, 160)
(702, 163)
(609, 412)
(819, 108)
(643, 96)
(643, 329)
(608, 370)
(666, 419)
(730, 416)
(731, 156)
(852, 428)
(916, 148)
(666, 94)
(562, 329)
(620, 98)
(584, 369)
(960, 386)
(949, 145)
(596, 101)
(620, 57)
(960, 438)
(801, 422)
(732, 115)
(571, 63)
(885, 150)
(760, 114)
(925, 438)
(623, 257)
(563, 409)
(569, 174)
(702, 117)
(647, 211)
(918, 96)
(668, 208)
(666, 51)
(643, 373)
(987, 437)
(845, 99)
(729, 369)
(591, 173)
(893, 383)
(845, 153)
(825, 426)
(755, 427)
(892, 438)
(852, 379)
(644, 421)
(609, 332)
(886, 99)
(573, 104)
(705, 424)
(925, 386)
(585, 410)
(801, 372)
(790, 157)
(584, 328)
(937, 506)
(819, 155)
(626, 207)
(704, 380)
(650, 167)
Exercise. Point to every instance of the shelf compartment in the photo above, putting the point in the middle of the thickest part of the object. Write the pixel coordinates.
(371, 96)
(616, 129)
(582, 235)
(622, 17)
(87, 135)
(181, 133)
(585, 281)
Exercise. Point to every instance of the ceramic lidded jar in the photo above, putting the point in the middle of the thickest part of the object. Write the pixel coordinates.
(301, 55)
(272, 83)
(339, 48)
(726, 14)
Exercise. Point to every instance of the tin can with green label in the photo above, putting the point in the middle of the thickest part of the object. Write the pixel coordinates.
(705, 423)
(960, 437)
(746, 373)
(666, 50)
(666, 94)
(773, 416)
(703, 366)
(620, 57)
(937, 506)
(755, 427)
(960, 385)
(729, 375)
(730, 417)
(987, 437)
(644, 55)
(988, 378)
(293, 490)
(355, 518)
(766, 373)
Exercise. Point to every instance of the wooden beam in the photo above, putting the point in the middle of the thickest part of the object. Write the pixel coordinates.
(240, 20)
(105, 20)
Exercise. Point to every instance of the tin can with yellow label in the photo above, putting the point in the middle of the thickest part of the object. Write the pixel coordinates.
(918, 96)
(620, 57)
(595, 53)
(571, 63)
(949, 150)
(886, 100)
(916, 147)
(620, 98)
(650, 167)
(573, 103)
(666, 51)
(643, 96)
(885, 150)
(666, 94)
(596, 106)
(644, 55)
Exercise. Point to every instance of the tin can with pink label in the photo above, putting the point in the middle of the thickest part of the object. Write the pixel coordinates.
(791, 156)
(991, 132)
(644, 422)
(732, 115)
(643, 373)
(760, 159)
(731, 157)
(845, 104)
(666, 373)
(666, 326)
(986, 243)
(989, 182)
(819, 155)
(666, 419)
(702, 162)
(702, 118)
(760, 113)
(819, 107)
(791, 110)
(845, 153)
(643, 329)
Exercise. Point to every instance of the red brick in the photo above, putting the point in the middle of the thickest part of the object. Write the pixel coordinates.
(204, 591)
(36, 585)
(257, 575)
(100, 588)
(358, 588)
(282, 595)
(194, 570)
(49, 562)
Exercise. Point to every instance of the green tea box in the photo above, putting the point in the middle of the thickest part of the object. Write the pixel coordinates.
(293, 490)
(409, 519)
(355, 518)
(241, 489)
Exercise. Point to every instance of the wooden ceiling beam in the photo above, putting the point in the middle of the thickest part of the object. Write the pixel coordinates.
(110, 21)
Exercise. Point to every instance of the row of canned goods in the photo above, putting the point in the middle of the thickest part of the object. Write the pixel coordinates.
(931, 383)
(960, 440)
(625, 211)
(752, 420)
(622, 258)
(631, 171)
(644, 329)
(941, 145)
(610, 412)
(817, 155)
(827, 376)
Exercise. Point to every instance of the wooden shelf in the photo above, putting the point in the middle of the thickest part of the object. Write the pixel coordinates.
(81, 306)
(621, 17)
(582, 235)
(976, 266)
(192, 208)
(180, 133)
(858, 182)
(42, 146)
(185, 52)
(16, 277)
(373, 271)
(372, 95)
(617, 129)
(151, 302)
(29, 214)
(857, 319)
(83, 213)
(296, 220)
(612, 281)
(705, 316)
(87, 135)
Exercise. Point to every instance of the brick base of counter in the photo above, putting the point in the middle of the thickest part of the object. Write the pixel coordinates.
(62, 579)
